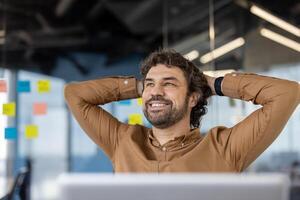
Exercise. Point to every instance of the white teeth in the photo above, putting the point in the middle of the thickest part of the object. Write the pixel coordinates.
(158, 105)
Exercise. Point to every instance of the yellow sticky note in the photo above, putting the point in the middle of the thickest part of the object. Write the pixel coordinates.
(9, 109)
(43, 86)
(31, 131)
(135, 119)
(139, 101)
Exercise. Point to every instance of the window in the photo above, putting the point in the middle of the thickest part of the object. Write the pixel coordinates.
(48, 152)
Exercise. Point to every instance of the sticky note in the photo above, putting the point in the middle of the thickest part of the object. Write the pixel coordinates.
(139, 101)
(31, 131)
(23, 86)
(10, 133)
(125, 102)
(3, 86)
(232, 102)
(39, 108)
(135, 119)
(9, 109)
(43, 86)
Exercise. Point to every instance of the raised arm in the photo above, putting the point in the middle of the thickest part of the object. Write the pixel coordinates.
(243, 143)
(84, 98)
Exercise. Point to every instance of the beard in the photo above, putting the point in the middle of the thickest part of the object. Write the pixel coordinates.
(166, 117)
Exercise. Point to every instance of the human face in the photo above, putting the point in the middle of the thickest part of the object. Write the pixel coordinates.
(165, 99)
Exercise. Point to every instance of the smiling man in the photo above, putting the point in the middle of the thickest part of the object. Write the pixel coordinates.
(174, 93)
(167, 103)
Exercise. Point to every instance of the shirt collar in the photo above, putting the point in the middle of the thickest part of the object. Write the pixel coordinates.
(177, 142)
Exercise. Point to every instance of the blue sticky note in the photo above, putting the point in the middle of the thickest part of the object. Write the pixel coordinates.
(125, 102)
(10, 133)
(23, 86)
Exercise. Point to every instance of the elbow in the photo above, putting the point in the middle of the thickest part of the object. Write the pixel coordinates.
(298, 93)
(294, 93)
(68, 91)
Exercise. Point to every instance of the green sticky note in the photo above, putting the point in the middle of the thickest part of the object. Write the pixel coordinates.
(232, 102)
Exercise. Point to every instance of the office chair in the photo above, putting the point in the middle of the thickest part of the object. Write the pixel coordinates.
(21, 186)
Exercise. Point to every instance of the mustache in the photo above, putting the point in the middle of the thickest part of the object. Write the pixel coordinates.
(158, 98)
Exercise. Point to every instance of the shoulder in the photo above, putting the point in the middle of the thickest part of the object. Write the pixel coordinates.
(218, 134)
(135, 131)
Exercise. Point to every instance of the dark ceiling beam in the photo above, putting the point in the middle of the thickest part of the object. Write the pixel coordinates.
(7, 8)
(200, 42)
(63, 6)
(96, 9)
(20, 39)
(194, 15)
(139, 11)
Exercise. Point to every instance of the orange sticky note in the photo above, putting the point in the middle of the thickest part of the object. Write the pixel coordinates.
(39, 108)
(31, 131)
(139, 101)
(135, 119)
(9, 109)
(3, 86)
(43, 86)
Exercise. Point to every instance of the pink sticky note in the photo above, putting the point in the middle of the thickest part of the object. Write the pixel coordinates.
(3, 86)
(39, 108)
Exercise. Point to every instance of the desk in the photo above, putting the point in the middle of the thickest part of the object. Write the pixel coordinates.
(295, 193)
(174, 186)
(295, 189)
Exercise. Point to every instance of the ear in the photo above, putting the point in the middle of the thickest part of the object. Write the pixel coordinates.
(194, 99)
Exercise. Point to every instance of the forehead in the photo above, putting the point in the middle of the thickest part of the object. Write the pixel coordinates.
(161, 71)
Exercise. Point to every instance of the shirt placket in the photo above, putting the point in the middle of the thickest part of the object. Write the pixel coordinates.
(162, 157)
(164, 149)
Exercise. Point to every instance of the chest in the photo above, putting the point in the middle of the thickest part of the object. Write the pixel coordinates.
(198, 156)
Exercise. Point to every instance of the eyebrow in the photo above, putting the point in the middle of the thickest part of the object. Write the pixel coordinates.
(171, 78)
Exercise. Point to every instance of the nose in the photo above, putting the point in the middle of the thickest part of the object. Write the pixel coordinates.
(157, 90)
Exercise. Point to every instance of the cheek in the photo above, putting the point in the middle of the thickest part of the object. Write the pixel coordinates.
(178, 100)
(175, 98)
(145, 97)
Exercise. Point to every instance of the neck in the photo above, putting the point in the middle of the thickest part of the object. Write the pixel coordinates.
(180, 128)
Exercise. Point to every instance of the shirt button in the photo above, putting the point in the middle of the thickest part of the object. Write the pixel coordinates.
(126, 82)
(164, 148)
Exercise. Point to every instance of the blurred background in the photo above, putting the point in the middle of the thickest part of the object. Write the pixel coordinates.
(46, 44)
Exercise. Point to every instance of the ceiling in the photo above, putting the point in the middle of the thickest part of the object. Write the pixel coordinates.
(37, 32)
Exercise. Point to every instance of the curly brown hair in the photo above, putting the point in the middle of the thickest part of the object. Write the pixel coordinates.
(195, 78)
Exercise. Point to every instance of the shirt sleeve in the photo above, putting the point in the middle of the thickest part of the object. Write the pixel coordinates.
(83, 100)
(244, 142)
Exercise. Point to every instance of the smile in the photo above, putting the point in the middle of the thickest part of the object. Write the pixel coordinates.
(155, 106)
(158, 105)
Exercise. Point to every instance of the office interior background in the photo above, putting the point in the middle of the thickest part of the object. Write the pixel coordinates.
(46, 44)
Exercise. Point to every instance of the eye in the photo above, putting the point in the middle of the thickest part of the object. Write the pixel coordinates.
(169, 84)
(149, 84)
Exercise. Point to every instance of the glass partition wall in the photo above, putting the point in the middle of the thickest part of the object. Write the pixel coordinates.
(56, 143)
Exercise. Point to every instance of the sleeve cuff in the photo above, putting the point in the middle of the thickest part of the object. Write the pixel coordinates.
(128, 87)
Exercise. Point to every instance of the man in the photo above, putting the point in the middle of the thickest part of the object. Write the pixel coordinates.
(174, 93)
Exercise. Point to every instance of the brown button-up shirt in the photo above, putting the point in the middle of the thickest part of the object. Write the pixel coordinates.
(133, 148)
